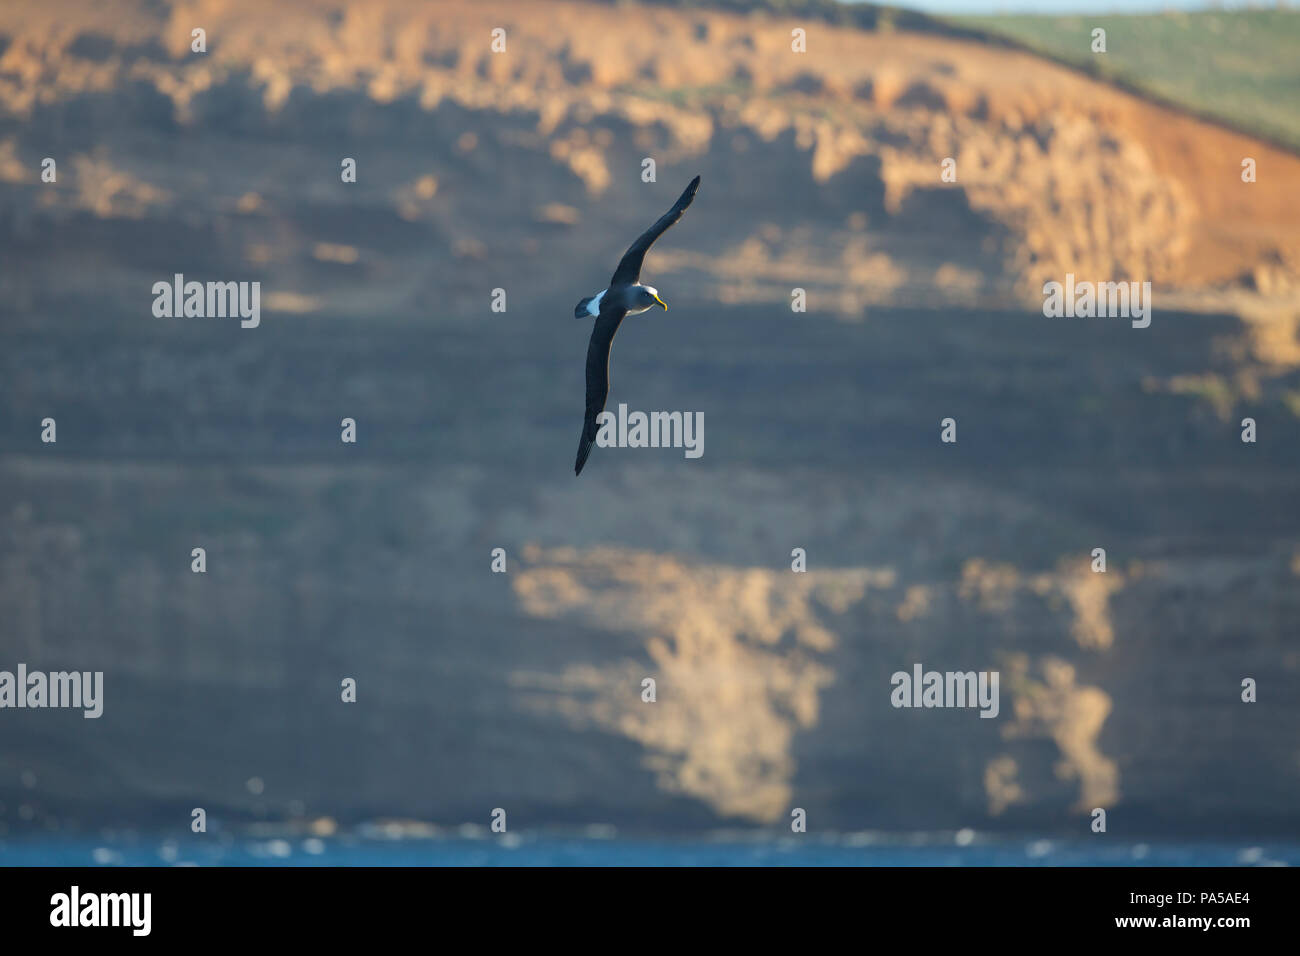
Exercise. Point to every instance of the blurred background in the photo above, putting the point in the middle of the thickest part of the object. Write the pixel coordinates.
(522, 690)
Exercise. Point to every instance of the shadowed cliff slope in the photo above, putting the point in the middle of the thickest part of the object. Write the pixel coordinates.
(521, 171)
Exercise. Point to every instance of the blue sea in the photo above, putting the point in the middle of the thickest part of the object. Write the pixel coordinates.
(475, 846)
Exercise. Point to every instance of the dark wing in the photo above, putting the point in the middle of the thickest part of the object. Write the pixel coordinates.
(602, 338)
(629, 267)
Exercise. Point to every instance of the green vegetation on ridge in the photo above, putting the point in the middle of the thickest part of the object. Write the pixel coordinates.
(1241, 67)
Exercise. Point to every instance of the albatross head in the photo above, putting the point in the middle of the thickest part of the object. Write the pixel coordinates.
(647, 297)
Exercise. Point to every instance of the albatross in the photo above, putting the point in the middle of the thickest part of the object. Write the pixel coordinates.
(625, 296)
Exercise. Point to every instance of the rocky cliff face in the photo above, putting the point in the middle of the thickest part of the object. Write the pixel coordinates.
(522, 171)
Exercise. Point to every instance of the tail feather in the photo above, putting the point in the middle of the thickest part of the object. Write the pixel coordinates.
(580, 310)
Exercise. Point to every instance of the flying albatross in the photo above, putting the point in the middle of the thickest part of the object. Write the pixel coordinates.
(625, 296)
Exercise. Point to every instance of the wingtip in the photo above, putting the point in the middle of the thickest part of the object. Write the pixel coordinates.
(688, 194)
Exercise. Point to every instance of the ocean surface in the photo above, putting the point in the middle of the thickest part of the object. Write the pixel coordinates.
(376, 847)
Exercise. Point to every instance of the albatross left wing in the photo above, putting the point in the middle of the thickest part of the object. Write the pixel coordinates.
(629, 267)
(602, 340)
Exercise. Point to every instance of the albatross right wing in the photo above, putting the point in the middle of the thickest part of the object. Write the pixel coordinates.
(629, 267)
(602, 339)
